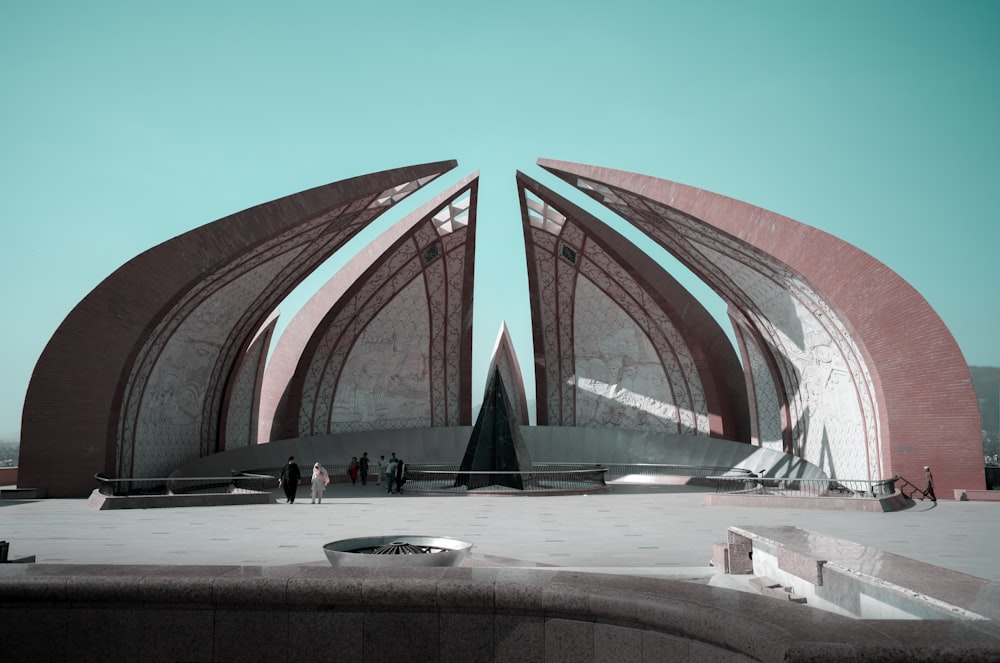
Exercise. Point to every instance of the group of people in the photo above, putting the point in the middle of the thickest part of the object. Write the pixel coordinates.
(291, 476)
(360, 468)
(394, 471)
(395, 475)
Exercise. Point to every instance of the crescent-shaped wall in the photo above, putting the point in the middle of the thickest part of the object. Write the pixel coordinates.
(867, 378)
(133, 382)
(618, 342)
(387, 342)
(242, 403)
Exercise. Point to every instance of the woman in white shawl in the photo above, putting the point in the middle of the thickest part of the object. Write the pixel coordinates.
(319, 481)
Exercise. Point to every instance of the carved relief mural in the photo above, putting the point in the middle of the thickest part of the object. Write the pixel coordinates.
(620, 380)
(242, 401)
(393, 350)
(385, 379)
(827, 387)
(611, 348)
(767, 404)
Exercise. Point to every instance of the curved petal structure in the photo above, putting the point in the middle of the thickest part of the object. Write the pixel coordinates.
(133, 382)
(387, 342)
(242, 402)
(867, 380)
(618, 342)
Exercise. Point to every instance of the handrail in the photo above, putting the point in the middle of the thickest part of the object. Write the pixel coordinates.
(536, 480)
(794, 487)
(544, 476)
(616, 469)
(916, 490)
(134, 486)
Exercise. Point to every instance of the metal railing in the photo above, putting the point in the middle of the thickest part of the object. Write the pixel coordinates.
(790, 487)
(614, 470)
(237, 482)
(337, 471)
(450, 478)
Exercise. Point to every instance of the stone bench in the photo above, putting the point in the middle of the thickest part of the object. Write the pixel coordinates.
(853, 579)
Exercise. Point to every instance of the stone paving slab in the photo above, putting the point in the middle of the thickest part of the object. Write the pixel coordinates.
(660, 530)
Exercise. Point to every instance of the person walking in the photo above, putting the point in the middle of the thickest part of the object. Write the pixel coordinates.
(320, 480)
(352, 470)
(929, 490)
(363, 468)
(289, 479)
(380, 469)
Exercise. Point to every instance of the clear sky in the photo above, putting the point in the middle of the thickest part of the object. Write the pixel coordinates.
(123, 124)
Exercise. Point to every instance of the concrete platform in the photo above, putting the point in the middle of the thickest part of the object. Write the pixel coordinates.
(636, 529)
(584, 577)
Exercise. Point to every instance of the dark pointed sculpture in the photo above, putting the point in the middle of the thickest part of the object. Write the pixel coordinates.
(496, 444)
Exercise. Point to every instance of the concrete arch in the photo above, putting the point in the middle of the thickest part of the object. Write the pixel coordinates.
(618, 342)
(133, 382)
(387, 342)
(870, 380)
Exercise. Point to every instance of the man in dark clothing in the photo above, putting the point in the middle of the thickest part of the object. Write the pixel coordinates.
(929, 490)
(364, 468)
(400, 474)
(289, 479)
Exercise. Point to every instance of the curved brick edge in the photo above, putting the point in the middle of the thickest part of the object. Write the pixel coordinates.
(243, 613)
(897, 354)
(132, 383)
(689, 347)
(317, 357)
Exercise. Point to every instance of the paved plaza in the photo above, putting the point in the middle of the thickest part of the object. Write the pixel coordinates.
(658, 530)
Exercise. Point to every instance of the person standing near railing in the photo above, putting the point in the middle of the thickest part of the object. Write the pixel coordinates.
(400, 475)
(289, 479)
(363, 468)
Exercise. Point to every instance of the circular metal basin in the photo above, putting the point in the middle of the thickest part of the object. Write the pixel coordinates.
(397, 551)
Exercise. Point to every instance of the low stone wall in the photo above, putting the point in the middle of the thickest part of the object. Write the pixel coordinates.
(102, 502)
(301, 613)
(8, 476)
(963, 495)
(894, 502)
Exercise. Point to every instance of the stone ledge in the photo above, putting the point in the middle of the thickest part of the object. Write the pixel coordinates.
(553, 610)
(804, 559)
(22, 493)
(102, 502)
(889, 503)
(966, 495)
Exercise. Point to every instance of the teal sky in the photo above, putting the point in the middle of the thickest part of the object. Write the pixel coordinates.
(124, 124)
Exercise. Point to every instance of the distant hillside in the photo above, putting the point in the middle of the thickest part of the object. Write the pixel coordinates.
(8, 453)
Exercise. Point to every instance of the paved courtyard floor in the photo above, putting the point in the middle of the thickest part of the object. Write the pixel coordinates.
(655, 530)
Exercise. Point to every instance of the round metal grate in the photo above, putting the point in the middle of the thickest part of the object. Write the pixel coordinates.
(397, 550)
(402, 548)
